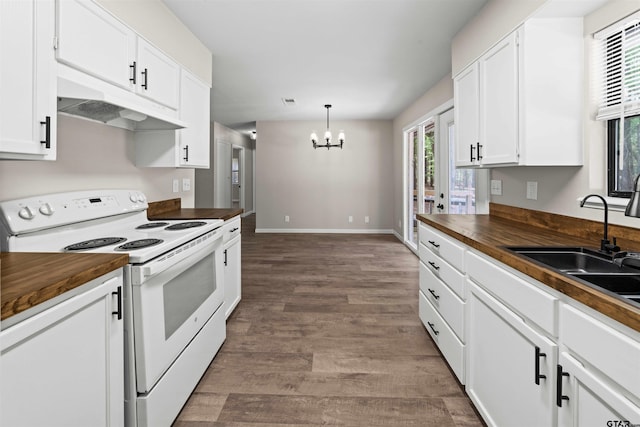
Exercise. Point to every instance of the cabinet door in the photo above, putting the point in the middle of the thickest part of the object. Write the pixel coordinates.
(589, 401)
(158, 75)
(194, 110)
(28, 80)
(94, 41)
(232, 275)
(499, 103)
(467, 103)
(64, 366)
(508, 378)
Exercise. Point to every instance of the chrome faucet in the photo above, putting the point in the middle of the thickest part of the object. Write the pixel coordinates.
(605, 245)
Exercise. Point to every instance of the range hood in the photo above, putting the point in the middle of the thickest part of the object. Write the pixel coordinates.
(85, 96)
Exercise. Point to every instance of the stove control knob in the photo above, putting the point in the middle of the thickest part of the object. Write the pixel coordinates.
(141, 198)
(46, 209)
(26, 213)
(133, 197)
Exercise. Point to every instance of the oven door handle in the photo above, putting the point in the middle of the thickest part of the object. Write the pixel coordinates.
(158, 267)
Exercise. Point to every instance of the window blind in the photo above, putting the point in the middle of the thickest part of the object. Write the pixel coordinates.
(619, 57)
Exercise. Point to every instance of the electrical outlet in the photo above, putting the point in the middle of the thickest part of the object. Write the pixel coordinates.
(286, 218)
(350, 218)
(366, 219)
(186, 184)
(176, 185)
(532, 190)
(496, 187)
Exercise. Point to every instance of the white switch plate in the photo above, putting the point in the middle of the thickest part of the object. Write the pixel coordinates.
(532, 190)
(286, 218)
(176, 185)
(496, 187)
(366, 219)
(350, 218)
(186, 184)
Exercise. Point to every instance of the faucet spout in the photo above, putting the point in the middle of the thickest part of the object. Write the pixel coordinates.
(605, 245)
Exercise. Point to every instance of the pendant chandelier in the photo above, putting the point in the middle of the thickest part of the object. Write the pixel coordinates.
(327, 135)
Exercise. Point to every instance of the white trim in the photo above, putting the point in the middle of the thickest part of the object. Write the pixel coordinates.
(615, 204)
(324, 230)
(438, 110)
(618, 26)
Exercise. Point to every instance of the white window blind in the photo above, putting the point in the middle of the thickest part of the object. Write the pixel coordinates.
(619, 49)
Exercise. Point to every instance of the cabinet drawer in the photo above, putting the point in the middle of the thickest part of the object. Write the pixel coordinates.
(231, 229)
(449, 249)
(450, 307)
(443, 270)
(612, 352)
(525, 298)
(450, 346)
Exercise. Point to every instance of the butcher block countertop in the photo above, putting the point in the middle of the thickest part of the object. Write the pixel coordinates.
(508, 226)
(28, 279)
(172, 209)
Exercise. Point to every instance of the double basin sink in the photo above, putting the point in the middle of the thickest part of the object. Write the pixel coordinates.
(590, 266)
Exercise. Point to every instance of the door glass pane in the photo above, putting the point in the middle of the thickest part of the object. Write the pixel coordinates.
(412, 179)
(429, 167)
(462, 183)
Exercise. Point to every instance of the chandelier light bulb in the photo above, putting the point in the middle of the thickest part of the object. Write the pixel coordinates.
(341, 137)
(314, 137)
(327, 136)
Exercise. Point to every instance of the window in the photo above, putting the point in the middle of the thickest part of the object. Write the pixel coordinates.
(620, 103)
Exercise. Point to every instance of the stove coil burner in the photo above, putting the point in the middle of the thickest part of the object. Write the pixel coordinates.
(186, 225)
(150, 225)
(94, 243)
(138, 244)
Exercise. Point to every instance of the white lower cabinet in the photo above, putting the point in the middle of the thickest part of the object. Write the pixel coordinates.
(442, 295)
(586, 400)
(232, 266)
(510, 375)
(64, 366)
(600, 366)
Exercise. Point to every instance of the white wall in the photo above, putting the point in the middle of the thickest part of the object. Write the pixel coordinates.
(90, 156)
(320, 188)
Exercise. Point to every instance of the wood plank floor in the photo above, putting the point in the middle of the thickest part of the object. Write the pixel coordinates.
(327, 333)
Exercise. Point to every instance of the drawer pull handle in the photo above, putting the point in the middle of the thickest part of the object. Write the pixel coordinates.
(559, 396)
(225, 258)
(434, 265)
(133, 69)
(434, 244)
(436, 296)
(233, 229)
(471, 156)
(538, 375)
(432, 326)
(47, 132)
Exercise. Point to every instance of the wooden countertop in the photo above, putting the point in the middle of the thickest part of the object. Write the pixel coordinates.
(28, 279)
(490, 233)
(172, 209)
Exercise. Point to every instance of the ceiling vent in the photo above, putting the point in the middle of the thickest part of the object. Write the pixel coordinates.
(290, 102)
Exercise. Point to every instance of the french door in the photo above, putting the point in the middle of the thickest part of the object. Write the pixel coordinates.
(433, 184)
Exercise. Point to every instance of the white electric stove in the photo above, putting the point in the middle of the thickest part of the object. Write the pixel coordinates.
(173, 285)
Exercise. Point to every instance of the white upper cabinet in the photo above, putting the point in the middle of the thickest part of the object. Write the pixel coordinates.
(158, 75)
(188, 147)
(93, 41)
(27, 81)
(527, 90)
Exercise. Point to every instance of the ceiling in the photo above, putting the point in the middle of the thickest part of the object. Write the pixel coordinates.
(370, 59)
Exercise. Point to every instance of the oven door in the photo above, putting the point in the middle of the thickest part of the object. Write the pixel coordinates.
(173, 297)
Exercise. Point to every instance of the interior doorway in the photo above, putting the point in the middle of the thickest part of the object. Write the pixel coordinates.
(237, 177)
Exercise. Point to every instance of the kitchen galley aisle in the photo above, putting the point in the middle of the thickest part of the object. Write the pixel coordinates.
(328, 333)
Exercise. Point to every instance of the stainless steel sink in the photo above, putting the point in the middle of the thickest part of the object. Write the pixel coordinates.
(588, 265)
(574, 260)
